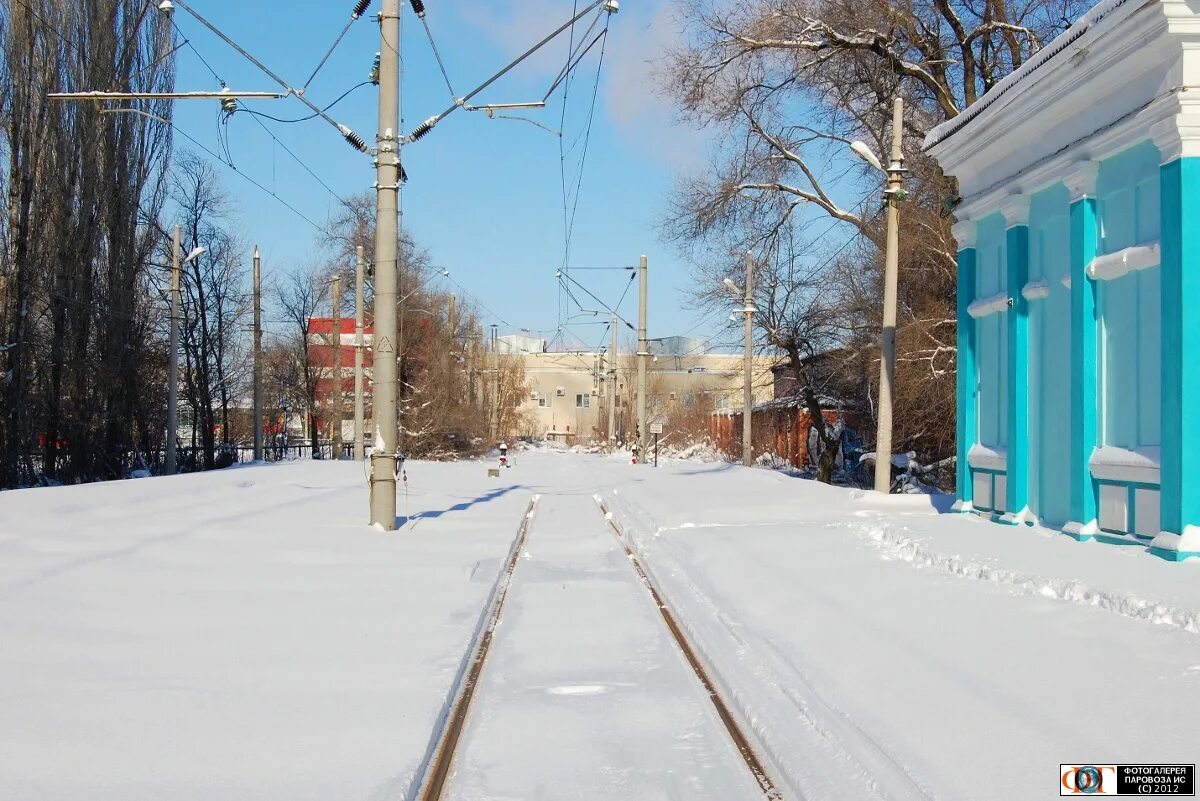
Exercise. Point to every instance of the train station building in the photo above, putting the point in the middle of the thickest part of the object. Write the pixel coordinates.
(1078, 241)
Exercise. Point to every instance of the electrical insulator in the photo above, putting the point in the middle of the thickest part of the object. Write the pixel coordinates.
(354, 139)
(419, 7)
(374, 74)
(359, 8)
(422, 129)
(229, 105)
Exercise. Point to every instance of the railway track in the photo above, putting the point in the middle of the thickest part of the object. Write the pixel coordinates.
(435, 782)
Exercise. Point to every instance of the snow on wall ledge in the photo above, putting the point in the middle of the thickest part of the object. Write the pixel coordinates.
(989, 305)
(1115, 265)
(985, 458)
(1110, 463)
(1035, 290)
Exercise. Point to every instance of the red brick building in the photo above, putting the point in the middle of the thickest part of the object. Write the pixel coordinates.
(322, 351)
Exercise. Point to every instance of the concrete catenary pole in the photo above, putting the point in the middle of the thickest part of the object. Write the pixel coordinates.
(747, 364)
(612, 387)
(642, 354)
(335, 437)
(452, 324)
(387, 182)
(173, 354)
(495, 411)
(258, 372)
(359, 344)
(887, 364)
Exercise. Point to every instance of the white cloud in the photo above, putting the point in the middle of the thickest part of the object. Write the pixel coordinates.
(639, 37)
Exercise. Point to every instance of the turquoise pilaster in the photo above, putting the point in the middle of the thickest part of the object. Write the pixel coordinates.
(1180, 466)
(1017, 253)
(966, 426)
(1084, 391)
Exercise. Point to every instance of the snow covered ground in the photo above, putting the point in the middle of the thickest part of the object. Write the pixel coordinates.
(238, 634)
(242, 634)
(885, 651)
(583, 695)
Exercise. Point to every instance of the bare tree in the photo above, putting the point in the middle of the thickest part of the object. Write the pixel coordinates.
(79, 367)
(299, 296)
(214, 301)
(788, 84)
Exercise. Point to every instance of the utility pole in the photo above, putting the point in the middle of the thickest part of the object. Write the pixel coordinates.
(747, 359)
(887, 365)
(452, 324)
(173, 363)
(642, 354)
(469, 354)
(612, 388)
(494, 412)
(387, 183)
(258, 377)
(335, 440)
(359, 415)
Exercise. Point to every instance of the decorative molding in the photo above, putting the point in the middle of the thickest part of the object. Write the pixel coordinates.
(1165, 135)
(989, 305)
(1080, 179)
(1035, 290)
(1114, 265)
(1015, 209)
(964, 232)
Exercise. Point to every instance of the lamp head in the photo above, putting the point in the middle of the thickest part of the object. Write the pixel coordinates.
(864, 152)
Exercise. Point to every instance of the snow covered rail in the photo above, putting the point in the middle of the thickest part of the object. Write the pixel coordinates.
(741, 742)
(431, 781)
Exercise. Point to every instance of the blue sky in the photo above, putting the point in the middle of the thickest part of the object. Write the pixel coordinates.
(484, 196)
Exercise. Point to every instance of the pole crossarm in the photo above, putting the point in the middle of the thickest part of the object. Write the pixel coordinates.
(350, 136)
(224, 94)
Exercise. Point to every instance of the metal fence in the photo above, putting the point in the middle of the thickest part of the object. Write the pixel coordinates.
(32, 466)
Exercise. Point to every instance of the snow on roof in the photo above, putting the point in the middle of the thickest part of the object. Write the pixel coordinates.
(1089, 21)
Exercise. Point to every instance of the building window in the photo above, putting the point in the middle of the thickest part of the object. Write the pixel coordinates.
(582, 401)
(544, 401)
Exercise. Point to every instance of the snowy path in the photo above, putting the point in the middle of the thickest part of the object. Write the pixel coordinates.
(585, 694)
(243, 635)
(236, 635)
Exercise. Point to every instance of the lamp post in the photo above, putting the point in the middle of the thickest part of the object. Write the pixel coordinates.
(173, 347)
(894, 194)
(747, 358)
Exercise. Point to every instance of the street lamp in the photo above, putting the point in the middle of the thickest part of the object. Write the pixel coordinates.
(173, 346)
(747, 390)
(894, 194)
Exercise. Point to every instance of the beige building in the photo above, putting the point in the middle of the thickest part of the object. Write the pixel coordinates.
(569, 391)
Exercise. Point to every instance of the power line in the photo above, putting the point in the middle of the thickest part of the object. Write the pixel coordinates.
(359, 7)
(313, 116)
(275, 140)
(293, 209)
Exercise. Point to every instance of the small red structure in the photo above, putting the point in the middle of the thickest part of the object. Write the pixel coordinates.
(321, 353)
(779, 426)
